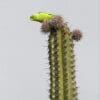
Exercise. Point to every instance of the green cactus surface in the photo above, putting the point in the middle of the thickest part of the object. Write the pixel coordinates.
(62, 66)
(61, 59)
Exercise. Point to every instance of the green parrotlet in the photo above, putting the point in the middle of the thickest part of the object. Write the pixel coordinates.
(41, 16)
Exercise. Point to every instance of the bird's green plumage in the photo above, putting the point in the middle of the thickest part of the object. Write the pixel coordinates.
(41, 16)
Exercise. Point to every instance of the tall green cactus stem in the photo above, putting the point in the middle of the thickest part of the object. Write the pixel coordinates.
(61, 57)
(62, 67)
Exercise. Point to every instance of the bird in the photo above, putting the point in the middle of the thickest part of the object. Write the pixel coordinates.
(41, 16)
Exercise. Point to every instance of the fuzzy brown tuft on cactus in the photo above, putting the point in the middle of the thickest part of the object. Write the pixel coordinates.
(61, 57)
(52, 25)
(45, 26)
(76, 35)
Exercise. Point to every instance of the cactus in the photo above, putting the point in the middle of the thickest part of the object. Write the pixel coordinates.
(61, 58)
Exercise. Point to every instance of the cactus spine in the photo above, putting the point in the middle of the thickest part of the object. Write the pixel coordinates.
(61, 58)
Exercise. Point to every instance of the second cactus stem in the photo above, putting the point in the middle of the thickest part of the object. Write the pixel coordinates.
(62, 65)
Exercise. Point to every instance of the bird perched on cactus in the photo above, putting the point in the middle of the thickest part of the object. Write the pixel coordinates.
(41, 16)
(61, 55)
